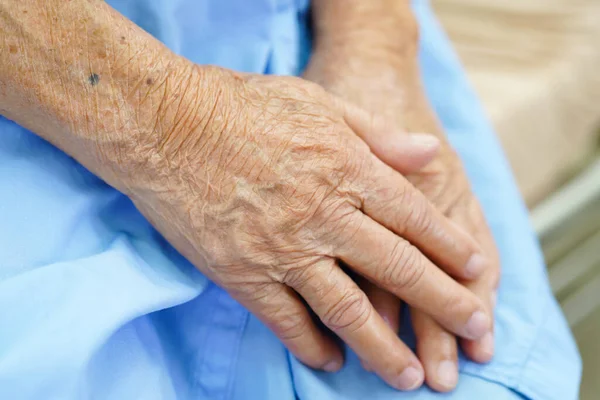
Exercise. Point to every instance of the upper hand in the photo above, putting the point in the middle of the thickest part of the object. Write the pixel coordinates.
(265, 184)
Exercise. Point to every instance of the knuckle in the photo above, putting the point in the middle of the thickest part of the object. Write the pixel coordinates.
(353, 161)
(410, 276)
(332, 214)
(290, 325)
(392, 263)
(338, 216)
(403, 268)
(262, 296)
(323, 201)
(418, 219)
(350, 312)
(351, 225)
(300, 277)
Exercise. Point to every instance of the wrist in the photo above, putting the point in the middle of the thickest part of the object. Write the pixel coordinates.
(166, 106)
(179, 128)
(94, 94)
(383, 27)
(375, 81)
(115, 129)
(380, 85)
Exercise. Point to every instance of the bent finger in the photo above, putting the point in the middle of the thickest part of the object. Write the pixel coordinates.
(280, 309)
(346, 310)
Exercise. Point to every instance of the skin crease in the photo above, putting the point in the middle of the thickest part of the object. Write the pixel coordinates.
(263, 183)
(372, 62)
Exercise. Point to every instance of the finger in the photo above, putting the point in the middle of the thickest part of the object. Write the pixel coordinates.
(437, 351)
(345, 309)
(391, 200)
(392, 263)
(406, 153)
(385, 303)
(485, 287)
(482, 350)
(280, 309)
(395, 203)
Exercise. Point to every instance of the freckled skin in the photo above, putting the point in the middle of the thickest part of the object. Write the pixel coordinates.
(94, 79)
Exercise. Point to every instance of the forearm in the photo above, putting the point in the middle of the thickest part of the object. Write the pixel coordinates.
(381, 27)
(85, 78)
(366, 51)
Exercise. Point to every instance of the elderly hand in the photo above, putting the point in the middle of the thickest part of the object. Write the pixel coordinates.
(388, 85)
(264, 184)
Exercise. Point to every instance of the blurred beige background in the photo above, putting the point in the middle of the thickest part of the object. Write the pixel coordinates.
(534, 64)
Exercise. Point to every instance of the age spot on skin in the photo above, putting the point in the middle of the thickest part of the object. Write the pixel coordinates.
(149, 81)
(94, 79)
(12, 48)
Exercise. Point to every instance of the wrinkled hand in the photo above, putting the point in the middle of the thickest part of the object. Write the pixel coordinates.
(264, 183)
(392, 90)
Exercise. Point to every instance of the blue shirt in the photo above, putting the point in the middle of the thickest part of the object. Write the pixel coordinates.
(94, 304)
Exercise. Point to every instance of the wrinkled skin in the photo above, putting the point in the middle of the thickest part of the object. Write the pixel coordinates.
(265, 183)
(388, 85)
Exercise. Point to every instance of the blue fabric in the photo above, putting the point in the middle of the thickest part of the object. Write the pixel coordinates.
(94, 304)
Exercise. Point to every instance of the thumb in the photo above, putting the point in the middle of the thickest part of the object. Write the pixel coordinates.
(406, 153)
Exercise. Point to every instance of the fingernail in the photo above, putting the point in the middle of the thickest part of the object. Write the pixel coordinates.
(477, 325)
(423, 140)
(447, 374)
(332, 366)
(475, 266)
(487, 344)
(411, 378)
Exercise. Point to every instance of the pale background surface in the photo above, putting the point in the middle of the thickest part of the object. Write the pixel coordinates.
(535, 65)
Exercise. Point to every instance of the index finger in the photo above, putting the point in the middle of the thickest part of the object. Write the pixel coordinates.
(392, 263)
(388, 198)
